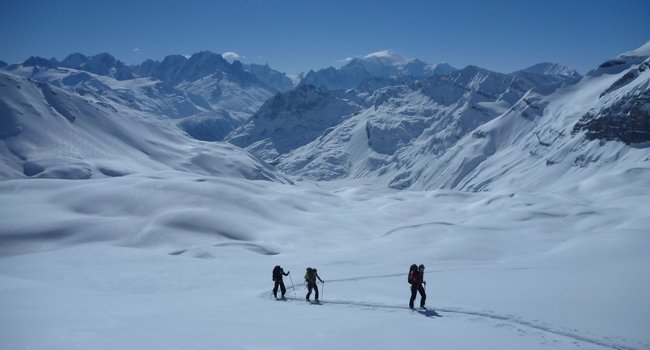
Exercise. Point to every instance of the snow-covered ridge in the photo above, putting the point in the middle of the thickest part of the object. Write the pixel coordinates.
(393, 122)
(472, 129)
(552, 139)
(396, 127)
(101, 64)
(552, 69)
(177, 86)
(381, 64)
(293, 119)
(642, 51)
(50, 132)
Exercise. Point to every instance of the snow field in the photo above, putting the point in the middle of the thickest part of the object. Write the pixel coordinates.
(173, 260)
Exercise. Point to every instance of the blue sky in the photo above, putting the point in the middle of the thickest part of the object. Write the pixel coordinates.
(294, 36)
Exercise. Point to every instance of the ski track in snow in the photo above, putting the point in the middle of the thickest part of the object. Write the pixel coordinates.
(435, 223)
(464, 312)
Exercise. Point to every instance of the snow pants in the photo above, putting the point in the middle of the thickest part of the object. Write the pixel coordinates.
(283, 289)
(415, 288)
(311, 286)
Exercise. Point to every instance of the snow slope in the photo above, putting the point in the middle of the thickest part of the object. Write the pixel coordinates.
(174, 260)
(388, 124)
(470, 130)
(290, 120)
(48, 132)
(597, 127)
(204, 87)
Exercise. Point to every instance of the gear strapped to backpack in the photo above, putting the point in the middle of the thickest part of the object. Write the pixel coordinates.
(412, 271)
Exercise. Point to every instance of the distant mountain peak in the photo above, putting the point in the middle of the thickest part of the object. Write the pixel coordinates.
(75, 59)
(101, 63)
(206, 55)
(272, 78)
(386, 56)
(175, 69)
(384, 64)
(35, 61)
(548, 68)
(440, 69)
(642, 51)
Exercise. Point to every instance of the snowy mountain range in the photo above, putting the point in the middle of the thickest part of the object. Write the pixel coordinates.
(384, 125)
(212, 93)
(403, 123)
(381, 64)
(50, 132)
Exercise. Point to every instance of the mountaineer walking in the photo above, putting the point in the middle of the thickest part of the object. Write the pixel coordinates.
(310, 278)
(416, 279)
(278, 272)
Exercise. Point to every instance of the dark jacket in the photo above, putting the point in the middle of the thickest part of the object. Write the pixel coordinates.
(278, 273)
(418, 277)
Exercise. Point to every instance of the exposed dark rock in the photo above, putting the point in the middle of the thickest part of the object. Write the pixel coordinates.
(611, 63)
(627, 121)
(479, 134)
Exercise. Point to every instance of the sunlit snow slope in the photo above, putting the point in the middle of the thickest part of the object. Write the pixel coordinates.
(49, 132)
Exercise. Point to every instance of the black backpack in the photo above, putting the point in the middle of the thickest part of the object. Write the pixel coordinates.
(277, 274)
(412, 270)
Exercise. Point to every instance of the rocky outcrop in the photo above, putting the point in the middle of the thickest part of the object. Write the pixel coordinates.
(627, 117)
(626, 121)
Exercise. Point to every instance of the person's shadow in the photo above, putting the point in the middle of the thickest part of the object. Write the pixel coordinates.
(429, 313)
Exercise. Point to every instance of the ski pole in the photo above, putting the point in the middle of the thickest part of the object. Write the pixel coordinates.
(322, 292)
(292, 287)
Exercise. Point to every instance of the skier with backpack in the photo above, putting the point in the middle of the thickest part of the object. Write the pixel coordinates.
(310, 278)
(416, 279)
(278, 272)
